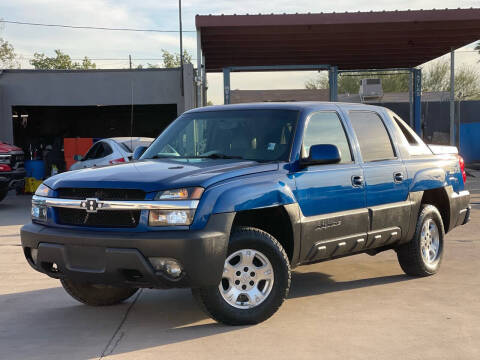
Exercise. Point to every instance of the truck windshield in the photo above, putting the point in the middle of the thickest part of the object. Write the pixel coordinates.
(259, 135)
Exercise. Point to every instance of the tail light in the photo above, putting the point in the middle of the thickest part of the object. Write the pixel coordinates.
(462, 168)
(117, 161)
(4, 167)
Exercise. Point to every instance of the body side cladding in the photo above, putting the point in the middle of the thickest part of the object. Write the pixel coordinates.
(293, 211)
(459, 207)
(416, 201)
(282, 222)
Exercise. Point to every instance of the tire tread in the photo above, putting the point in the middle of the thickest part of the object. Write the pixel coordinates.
(409, 254)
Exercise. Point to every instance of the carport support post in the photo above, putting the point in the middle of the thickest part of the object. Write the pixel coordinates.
(452, 98)
(333, 82)
(417, 100)
(199, 79)
(226, 86)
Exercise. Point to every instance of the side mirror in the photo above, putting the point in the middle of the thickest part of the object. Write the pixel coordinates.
(139, 152)
(78, 158)
(322, 154)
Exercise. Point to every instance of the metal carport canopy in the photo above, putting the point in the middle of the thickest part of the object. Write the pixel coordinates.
(361, 40)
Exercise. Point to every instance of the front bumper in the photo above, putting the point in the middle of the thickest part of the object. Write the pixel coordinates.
(121, 259)
(13, 179)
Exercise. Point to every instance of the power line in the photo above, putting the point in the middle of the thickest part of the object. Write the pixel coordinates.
(26, 57)
(92, 27)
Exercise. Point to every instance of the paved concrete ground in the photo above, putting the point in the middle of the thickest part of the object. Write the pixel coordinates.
(360, 307)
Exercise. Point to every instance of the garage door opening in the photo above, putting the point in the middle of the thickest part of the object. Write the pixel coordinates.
(35, 127)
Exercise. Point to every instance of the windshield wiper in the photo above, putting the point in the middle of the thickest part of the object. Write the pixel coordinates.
(211, 156)
(219, 156)
(167, 157)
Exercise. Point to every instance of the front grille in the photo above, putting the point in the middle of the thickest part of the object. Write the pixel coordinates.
(101, 194)
(110, 218)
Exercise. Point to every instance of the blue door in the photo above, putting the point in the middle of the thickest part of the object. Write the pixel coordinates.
(385, 176)
(331, 197)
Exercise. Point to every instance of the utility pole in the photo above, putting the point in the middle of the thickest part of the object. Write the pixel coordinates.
(130, 61)
(181, 45)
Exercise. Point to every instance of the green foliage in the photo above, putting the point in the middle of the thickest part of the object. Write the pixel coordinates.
(435, 78)
(173, 60)
(349, 83)
(60, 61)
(8, 58)
(467, 80)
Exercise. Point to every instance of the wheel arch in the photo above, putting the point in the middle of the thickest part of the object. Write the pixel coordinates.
(282, 222)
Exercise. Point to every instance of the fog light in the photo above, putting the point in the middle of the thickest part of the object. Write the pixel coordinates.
(39, 212)
(34, 255)
(167, 265)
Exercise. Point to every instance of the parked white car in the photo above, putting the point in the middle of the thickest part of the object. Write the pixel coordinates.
(110, 151)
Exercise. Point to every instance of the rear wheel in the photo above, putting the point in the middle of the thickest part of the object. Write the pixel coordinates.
(422, 255)
(96, 295)
(255, 280)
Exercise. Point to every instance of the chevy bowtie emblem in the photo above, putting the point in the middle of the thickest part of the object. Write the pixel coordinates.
(91, 205)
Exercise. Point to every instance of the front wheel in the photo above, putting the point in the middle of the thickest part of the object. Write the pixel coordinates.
(422, 255)
(255, 280)
(97, 295)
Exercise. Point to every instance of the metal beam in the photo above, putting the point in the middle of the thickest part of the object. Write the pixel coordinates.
(204, 82)
(452, 97)
(411, 120)
(280, 68)
(333, 83)
(226, 86)
(417, 100)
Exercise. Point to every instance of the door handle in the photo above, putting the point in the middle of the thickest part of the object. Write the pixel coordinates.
(398, 177)
(357, 181)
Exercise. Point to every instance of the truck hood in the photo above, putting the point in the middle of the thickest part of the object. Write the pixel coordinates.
(155, 175)
(6, 148)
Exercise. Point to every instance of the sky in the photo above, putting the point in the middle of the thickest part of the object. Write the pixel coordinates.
(145, 47)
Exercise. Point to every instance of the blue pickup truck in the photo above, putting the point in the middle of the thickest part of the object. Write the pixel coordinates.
(228, 199)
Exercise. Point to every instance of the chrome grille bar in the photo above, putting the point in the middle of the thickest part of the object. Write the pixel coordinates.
(105, 205)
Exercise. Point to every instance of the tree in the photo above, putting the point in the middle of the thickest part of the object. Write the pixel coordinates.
(434, 79)
(8, 57)
(478, 47)
(467, 80)
(61, 61)
(349, 83)
(173, 60)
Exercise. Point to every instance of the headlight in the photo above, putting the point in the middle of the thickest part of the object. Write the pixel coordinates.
(171, 217)
(177, 216)
(191, 193)
(42, 190)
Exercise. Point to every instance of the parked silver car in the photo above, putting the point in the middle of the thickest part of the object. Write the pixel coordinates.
(110, 151)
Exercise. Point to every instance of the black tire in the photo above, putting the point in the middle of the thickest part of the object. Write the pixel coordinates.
(410, 254)
(3, 194)
(96, 295)
(214, 305)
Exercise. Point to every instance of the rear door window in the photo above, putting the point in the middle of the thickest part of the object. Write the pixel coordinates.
(104, 150)
(373, 137)
(412, 141)
(92, 153)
